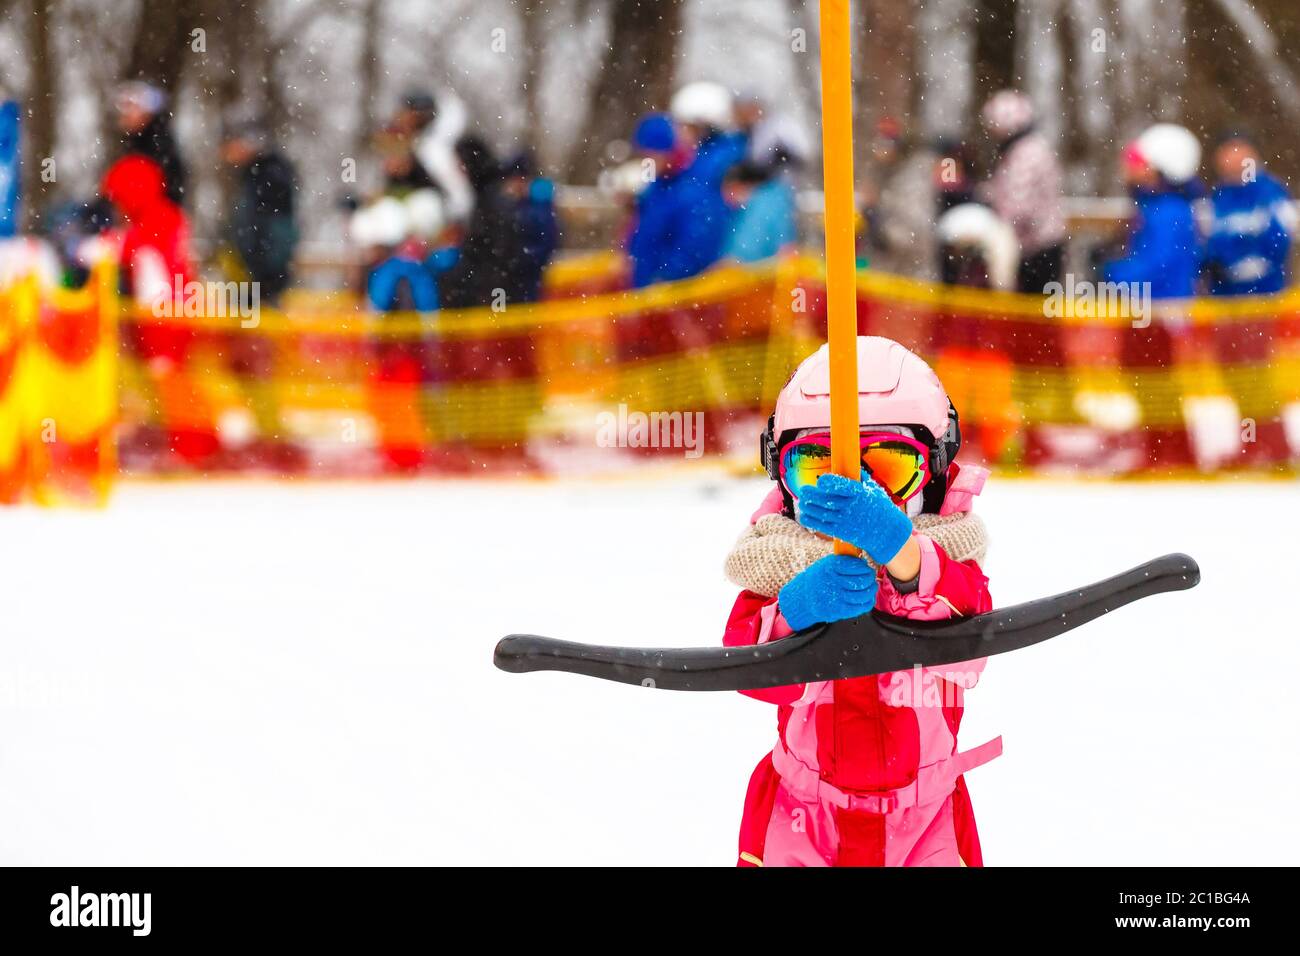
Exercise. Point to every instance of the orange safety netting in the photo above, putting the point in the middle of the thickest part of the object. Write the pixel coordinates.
(324, 388)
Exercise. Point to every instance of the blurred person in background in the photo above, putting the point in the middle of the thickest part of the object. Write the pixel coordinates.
(403, 232)
(954, 174)
(146, 131)
(435, 125)
(400, 242)
(979, 246)
(492, 266)
(763, 213)
(1163, 248)
(1159, 257)
(705, 116)
(973, 358)
(534, 200)
(1248, 248)
(1025, 189)
(154, 249)
(778, 139)
(759, 190)
(403, 172)
(975, 247)
(155, 265)
(897, 207)
(1163, 259)
(670, 238)
(393, 229)
(416, 239)
(76, 231)
(261, 227)
(954, 185)
(1248, 252)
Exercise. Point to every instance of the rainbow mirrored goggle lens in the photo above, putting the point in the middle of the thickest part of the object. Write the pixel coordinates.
(899, 464)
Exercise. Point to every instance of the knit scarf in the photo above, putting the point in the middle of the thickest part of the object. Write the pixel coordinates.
(776, 548)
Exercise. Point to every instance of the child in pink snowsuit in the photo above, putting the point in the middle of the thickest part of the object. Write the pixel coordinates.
(865, 771)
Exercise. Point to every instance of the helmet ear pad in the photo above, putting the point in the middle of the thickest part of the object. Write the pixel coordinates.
(942, 453)
(769, 453)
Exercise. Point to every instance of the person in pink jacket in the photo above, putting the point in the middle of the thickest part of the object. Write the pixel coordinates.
(866, 771)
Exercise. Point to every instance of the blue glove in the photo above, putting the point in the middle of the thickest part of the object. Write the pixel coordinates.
(833, 588)
(859, 512)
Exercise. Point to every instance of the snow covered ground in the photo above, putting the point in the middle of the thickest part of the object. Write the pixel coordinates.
(257, 673)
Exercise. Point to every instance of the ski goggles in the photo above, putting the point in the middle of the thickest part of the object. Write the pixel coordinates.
(899, 464)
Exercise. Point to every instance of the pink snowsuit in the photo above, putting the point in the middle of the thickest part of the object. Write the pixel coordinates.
(866, 771)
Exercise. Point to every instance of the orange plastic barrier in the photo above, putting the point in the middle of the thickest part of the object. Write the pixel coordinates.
(58, 392)
(1209, 386)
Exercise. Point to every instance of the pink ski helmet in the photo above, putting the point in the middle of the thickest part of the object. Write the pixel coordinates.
(895, 387)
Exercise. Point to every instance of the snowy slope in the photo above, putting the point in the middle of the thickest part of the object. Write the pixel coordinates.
(255, 673)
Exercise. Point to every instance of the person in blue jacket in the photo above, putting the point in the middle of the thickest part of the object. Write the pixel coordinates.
(716, 153)
(764, 217)
(1250, 239)
(1163, 251)
(536, 219)
(704, 114)
(674, 235)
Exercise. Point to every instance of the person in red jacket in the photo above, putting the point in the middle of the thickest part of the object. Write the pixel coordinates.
(865, 771)
(154, 268)
(155, 235)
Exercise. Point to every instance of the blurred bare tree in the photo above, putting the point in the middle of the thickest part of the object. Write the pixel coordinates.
(1247, 57)
(369, 64)
(162, 39)
(532, 13)
(323, 73)
(995, 45)
(40, 122)
(885, 68)
(635, 75)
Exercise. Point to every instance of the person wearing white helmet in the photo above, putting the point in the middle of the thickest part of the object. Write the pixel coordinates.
(1025, 189)
(699, 126)
(704, 106)
(1171, 150)
(1162, 260)
(1163, 249)
(705, 116)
